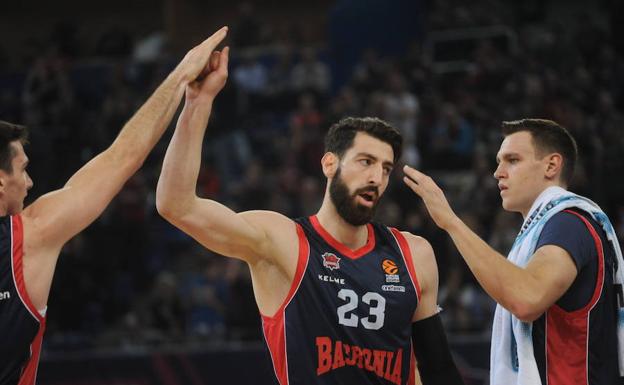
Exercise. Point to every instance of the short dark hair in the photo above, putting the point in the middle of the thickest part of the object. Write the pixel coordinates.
(9, 133)
(548, 137)
(340, 136)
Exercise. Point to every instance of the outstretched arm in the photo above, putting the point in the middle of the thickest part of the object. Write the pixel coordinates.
(58, 216)
(246, 235)
(526, 292)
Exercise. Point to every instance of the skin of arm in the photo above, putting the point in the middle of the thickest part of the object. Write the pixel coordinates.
(525, 291)
(56, 217)
(427, 274)
(266, 240)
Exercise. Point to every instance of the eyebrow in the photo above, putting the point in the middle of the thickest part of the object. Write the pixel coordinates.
(373, 157)
(506, 155)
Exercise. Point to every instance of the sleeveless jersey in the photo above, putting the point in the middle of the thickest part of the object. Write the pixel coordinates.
(588, 334)
(21, 325)
(347, 318)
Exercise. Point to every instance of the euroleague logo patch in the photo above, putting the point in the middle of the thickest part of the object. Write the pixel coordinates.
(389, 266)
(391, 270)
(331, 261)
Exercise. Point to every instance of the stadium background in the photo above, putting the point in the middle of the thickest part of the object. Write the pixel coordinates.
(135, 301)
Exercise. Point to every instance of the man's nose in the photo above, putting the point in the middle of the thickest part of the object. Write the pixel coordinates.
(29, 182)
(498, 173)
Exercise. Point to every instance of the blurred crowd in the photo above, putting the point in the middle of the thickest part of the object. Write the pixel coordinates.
(132, 281)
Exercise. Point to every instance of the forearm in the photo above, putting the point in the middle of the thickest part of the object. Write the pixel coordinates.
(178, 179)
(141, 133)
(511, 286)
(433, 355)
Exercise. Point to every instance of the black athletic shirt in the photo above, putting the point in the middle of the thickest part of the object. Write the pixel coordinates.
(575, 340)
(347, 318)
(21, 325)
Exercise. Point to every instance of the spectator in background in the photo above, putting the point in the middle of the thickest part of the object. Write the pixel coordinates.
(164, 310)
(250, 77)
(452, 142)
(310, 74)
(401, 109)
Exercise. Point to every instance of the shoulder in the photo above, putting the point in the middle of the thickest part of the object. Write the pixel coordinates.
(568, 231)
(566, 227)
(423, 258)
(418, 245)
(267, 218)
(280, 232)
(566, 219)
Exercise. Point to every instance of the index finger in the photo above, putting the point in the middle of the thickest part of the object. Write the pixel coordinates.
(213, 41)
(413, 174)
(224, 59)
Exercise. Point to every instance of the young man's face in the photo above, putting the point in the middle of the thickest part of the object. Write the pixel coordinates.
(361, 179)
(15, 185)
(520, 172)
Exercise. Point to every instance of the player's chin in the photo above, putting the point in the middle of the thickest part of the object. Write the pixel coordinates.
(507, 204)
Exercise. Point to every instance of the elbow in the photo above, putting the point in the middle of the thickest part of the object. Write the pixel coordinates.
(166, 207)
(526, 311)
(172, 207)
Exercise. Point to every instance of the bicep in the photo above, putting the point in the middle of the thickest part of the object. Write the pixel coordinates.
(554, 271)
(246, 235)
(426, 270)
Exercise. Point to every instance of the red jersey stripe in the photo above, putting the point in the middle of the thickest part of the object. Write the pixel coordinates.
(407, 257)
(274, 327)
(567, 333)
(340, 247)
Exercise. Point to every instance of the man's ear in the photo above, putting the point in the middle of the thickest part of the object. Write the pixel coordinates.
(554, 166)
(329, 163)
(3, 180)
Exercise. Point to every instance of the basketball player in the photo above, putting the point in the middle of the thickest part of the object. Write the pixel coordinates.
(342, 300)
(31, 240)
(557, 314)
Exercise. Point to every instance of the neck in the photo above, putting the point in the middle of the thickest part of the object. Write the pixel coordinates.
(351, 236)
(527, 211)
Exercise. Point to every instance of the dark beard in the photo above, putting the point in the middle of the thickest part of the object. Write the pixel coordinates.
(348, 209)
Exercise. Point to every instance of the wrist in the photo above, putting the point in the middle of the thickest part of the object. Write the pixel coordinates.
(453, 224)
(180, 78)
(200, 101)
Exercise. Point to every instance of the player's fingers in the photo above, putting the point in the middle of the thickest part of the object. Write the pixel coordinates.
(214, 60)
(210, 43)
(413, 185)
(224, 59)
(414, 174)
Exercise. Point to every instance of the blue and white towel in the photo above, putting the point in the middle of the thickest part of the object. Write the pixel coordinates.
(512, 361)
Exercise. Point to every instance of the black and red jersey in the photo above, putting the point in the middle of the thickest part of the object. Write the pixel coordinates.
(347, 318)
(575, 340)
(21, 325)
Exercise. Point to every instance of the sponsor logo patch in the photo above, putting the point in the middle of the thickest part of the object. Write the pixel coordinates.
(400, 289)
(391, 270)
(329, 278)
(389, 267)
(392, 278)
(331, 261)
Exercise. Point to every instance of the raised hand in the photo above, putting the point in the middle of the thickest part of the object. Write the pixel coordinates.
(212, 79)
(432, 196)
(195, 62)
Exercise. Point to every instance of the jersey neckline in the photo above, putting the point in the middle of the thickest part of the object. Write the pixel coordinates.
(341, 247)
